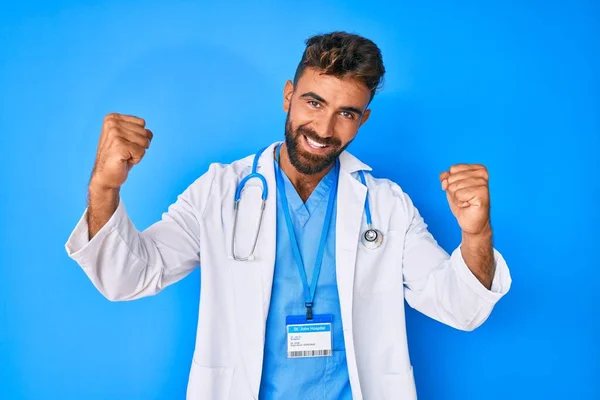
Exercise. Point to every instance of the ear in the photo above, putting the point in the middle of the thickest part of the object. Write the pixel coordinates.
(365, 117)
(288, 91)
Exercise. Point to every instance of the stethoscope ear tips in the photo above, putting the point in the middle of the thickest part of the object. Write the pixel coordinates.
(372, 238)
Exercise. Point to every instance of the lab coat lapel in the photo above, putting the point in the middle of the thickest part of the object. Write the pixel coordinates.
(252, 282)
(269, 242)
(350, 205)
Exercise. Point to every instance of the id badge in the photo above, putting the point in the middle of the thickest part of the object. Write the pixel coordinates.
(309, 338)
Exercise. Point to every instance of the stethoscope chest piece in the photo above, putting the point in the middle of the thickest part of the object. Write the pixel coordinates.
(372, 238)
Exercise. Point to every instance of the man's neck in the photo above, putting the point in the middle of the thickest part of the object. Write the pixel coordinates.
(303, 183)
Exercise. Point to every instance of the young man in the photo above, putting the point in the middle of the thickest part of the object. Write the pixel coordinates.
(306, 298)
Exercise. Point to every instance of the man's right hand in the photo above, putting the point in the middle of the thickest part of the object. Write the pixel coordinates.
(123, 143)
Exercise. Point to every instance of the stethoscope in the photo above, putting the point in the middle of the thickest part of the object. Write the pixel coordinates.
(371, 238)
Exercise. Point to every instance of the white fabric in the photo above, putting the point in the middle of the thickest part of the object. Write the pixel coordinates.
(124, 264)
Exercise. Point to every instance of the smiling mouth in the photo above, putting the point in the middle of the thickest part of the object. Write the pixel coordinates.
(314, 144)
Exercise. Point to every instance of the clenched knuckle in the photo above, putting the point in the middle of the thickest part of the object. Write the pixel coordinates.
(110, 123)
(120, 142)
(113, 130)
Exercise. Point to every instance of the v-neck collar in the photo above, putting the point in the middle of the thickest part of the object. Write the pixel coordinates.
(302, 211)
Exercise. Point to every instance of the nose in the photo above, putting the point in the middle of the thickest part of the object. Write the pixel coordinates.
(325, 126)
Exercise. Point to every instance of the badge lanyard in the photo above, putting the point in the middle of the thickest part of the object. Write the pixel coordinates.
(309, 291)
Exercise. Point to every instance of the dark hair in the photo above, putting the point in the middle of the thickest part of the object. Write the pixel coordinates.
(343, 54)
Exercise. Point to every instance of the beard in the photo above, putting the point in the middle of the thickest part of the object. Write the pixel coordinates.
(307, 163)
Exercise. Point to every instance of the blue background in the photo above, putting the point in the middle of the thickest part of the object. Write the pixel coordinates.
(514, 85)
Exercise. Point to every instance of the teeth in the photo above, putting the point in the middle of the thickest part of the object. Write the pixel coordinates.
(315, 144)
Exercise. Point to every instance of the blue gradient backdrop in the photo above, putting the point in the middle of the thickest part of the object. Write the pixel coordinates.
(511, 84)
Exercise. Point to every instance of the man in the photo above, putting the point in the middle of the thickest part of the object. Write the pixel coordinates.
(300, 301)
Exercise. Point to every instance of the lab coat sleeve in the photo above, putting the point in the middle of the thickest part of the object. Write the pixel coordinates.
(442, 286)
(125, 264)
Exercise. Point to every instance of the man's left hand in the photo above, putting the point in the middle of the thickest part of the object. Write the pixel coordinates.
(467, 190)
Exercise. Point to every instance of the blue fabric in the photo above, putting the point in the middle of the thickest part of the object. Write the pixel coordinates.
(304, 378)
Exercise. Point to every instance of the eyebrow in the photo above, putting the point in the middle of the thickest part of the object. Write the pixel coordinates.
(315, 96)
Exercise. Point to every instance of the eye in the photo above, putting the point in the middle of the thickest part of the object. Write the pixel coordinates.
(314, 103)
(347, 114)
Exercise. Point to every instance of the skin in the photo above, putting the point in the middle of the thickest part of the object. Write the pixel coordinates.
(334, 109)
(123, 143)
(467, 191)
(328, 110)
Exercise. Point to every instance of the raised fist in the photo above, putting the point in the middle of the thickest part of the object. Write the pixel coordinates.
(123, 143)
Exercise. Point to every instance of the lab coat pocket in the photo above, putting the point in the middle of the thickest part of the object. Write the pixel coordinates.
(379, 270)
(209, 383)
(399, 386)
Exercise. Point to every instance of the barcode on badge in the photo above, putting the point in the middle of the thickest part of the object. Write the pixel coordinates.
(311, 353)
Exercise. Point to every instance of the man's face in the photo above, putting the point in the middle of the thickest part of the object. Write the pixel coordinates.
(324, 114)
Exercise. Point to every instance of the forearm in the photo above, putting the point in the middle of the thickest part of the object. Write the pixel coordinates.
(478, 253)
(102, 203)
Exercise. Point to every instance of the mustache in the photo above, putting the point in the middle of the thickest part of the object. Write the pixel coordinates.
(309, 133)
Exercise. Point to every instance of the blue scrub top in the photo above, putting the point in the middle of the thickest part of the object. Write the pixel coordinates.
(304, 378)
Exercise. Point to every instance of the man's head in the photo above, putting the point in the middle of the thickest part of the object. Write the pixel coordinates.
(327, 102)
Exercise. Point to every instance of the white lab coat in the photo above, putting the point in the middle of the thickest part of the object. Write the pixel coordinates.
(124, 264)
